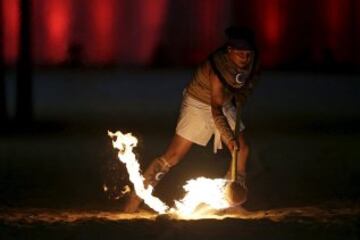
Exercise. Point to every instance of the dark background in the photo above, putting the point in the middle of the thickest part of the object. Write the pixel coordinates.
(71, 70)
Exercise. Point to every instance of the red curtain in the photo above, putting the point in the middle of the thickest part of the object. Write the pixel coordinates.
(143, 23)
(177, 32)
(338, 28)
(10, 23)
(51, 24)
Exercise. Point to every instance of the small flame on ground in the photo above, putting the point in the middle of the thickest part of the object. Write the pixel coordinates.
(199, 192)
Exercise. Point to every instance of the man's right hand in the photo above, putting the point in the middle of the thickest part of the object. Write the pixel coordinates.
(233, 145)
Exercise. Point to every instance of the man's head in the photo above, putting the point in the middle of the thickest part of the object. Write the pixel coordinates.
(240, 44)
(241, 38)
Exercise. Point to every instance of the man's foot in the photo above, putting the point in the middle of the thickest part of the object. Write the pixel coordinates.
(153, 174)
(132, 204)
(241, 180)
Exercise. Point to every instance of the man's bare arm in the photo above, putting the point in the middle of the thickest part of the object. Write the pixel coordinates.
(217, 101)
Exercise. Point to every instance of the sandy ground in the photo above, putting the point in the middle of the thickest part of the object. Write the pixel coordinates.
(302, 128)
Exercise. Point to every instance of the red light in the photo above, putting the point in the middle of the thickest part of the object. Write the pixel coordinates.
(338, 28)
(145, 29)
(57, 24)
(272, 21)
(100, 44)
(11, 29)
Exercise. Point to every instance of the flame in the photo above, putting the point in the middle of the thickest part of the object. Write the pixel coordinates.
(200, 192)
(125, 144)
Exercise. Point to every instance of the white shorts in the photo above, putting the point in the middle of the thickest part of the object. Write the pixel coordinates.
(196, 122)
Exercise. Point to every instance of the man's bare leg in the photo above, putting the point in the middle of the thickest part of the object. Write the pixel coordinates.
(242, 154)
(178, 147)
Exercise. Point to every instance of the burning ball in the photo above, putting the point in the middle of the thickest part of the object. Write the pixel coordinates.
(236, 193)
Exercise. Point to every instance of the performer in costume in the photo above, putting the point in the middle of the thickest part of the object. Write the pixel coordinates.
(219, 84)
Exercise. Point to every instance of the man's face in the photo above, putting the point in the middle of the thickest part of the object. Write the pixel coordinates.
(240, 57)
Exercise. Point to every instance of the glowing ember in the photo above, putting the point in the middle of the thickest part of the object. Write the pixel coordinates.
(200, 191)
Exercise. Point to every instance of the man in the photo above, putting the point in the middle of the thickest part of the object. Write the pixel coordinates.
(225, 78)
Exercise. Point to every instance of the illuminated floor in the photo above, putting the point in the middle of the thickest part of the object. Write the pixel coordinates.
(311, 213)
(304, 136)
(290, 223)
